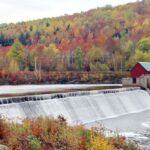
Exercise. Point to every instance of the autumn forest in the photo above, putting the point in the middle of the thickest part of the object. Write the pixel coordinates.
(108, 39)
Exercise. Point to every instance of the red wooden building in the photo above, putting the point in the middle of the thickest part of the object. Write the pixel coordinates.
(141, 68)
(140, 76)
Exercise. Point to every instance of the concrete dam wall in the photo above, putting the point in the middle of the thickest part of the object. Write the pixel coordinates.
(78, 107)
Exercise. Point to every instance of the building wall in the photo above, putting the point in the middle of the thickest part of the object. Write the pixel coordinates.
(129, 82)
(138, 70)
(144, 81)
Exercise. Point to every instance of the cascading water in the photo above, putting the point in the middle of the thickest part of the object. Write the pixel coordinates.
(78, 107)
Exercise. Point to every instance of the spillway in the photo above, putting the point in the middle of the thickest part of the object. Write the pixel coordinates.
(77, 107)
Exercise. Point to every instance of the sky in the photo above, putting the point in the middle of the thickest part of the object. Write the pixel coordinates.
(23, 10)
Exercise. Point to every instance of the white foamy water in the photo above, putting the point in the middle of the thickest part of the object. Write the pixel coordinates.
(81, 109)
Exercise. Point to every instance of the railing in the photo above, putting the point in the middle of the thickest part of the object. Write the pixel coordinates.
(20, 99)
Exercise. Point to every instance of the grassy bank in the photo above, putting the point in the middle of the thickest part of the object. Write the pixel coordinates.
(55, 134)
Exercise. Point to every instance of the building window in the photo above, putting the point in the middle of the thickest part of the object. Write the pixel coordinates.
(134, 80)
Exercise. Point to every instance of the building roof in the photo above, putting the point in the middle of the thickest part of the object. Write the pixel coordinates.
(145, 65)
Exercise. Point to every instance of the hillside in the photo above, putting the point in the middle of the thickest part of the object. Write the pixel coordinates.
(103, 39)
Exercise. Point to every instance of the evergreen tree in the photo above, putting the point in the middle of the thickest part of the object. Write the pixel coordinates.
(78, 58)
(17, 54)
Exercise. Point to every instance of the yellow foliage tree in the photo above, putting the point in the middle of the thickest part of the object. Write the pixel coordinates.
(99, 142)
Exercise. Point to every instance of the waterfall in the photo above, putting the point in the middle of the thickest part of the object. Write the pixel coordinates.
(77, 107)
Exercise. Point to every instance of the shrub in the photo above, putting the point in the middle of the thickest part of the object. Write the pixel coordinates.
(35, 143)
(50, 134)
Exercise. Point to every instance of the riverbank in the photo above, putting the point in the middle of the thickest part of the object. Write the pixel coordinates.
(49, 133)
(61, 77)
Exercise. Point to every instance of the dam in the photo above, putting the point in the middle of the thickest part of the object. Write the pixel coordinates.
(83, 107)
(126, 110)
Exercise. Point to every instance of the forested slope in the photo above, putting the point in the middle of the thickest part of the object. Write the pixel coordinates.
(102, 39)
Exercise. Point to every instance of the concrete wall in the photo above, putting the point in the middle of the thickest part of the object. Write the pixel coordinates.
(142, 81)
(129, 82)
(145, 81)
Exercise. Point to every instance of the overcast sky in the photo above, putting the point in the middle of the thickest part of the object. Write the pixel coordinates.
(22, 10)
